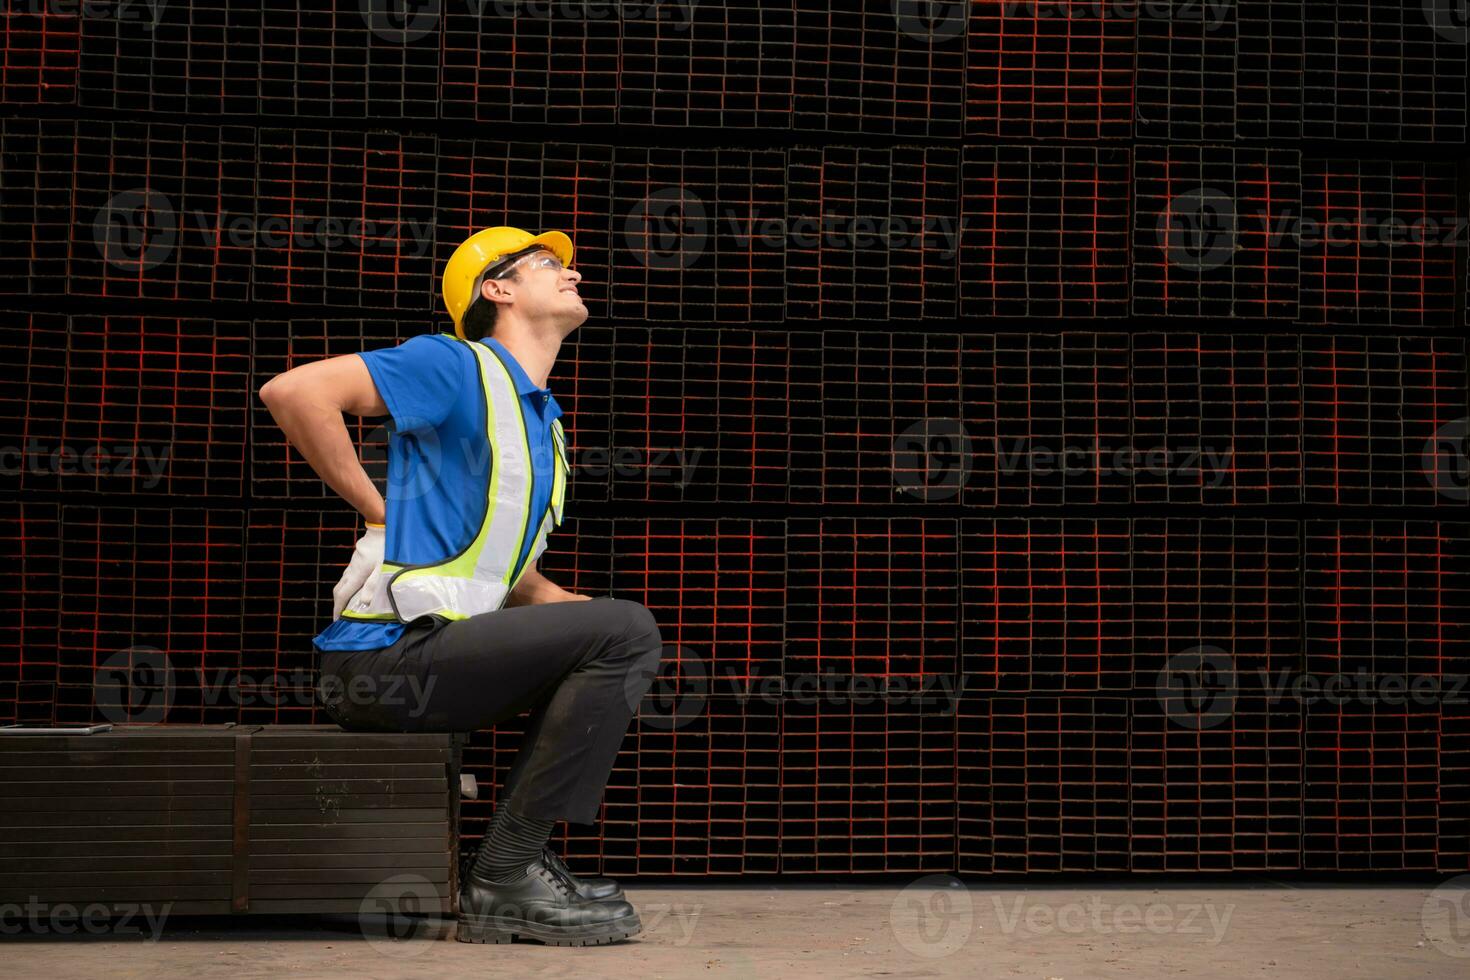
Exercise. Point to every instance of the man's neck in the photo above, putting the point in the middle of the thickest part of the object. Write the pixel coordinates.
(535, 354)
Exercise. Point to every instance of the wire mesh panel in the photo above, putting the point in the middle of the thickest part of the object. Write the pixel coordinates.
(1220, 791)
(352, 60)
(33, 405)
(1379, 243)
(1045, 231)
(1371, 786)
(728, 64)
(736, 416)
(1186, 74)
(709, 791)
(1044, 605)
(345, 219)
(31, 599)
(887, 67)
(292, 559)
(162, 212)
(1386, 670)
(582, 385)
(1046, 69)
(199, 57)
(867, 784)
(701, 415)
(698, 235)
(871, 597)
(1216, 231)
(883, 399)
(157, 405)
(1270, 39)
(1384, 420)
(1384, 71)
(1382, 598)
(528, 62)
(1059, 783)
(1454, 779)
(41, 55)
(1216, 419)
(718, 591)
(149, 632)
(1053, 419)
(871, 233)
(1218, 596)
(36, 207)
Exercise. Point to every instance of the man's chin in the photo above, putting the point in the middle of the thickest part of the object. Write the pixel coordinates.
(575, 320)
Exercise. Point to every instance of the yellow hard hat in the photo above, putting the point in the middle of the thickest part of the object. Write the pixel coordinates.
(482, 250)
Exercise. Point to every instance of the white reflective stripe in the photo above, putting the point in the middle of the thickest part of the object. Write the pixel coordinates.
(447, 593)
(501, 546)
(541, 534)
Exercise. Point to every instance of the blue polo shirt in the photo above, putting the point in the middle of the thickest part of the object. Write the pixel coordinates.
(439, 460)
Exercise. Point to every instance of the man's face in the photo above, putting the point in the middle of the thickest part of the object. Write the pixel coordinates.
(545, 290)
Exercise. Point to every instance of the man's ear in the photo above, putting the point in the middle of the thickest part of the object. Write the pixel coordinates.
(491, 288)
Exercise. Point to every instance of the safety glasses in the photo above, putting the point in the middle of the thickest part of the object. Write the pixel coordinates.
(538, 258)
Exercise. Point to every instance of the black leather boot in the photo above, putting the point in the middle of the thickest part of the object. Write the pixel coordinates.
(542, 905)
(593, 888)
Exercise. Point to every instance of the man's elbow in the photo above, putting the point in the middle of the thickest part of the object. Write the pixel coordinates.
(273, 389)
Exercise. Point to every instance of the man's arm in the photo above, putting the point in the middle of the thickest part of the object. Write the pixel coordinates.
(535, 588)
(308, 402)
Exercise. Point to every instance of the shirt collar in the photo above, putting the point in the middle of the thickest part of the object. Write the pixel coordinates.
(524, 385)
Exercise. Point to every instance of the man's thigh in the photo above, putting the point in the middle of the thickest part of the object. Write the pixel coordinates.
(495, 665)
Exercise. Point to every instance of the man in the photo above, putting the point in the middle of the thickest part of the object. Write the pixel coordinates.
(442, 597)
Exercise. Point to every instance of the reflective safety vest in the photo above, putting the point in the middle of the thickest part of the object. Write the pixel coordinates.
(480, 577)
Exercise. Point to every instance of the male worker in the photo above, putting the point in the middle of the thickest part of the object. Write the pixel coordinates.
(441, 621)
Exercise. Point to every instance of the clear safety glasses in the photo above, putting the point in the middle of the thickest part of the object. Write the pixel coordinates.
(533, 260)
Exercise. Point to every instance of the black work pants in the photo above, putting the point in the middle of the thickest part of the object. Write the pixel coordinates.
(582, 665)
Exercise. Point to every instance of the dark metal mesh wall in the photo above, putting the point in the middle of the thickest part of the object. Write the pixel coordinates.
(1041, 428)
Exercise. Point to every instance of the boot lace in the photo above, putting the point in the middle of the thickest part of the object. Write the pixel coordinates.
(558, 869)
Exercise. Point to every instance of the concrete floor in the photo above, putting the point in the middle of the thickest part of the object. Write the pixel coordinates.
(929, 927)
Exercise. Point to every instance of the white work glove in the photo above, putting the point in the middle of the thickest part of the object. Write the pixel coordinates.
(366, 558)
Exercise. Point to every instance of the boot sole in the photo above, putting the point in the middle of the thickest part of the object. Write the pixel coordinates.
(504, 929)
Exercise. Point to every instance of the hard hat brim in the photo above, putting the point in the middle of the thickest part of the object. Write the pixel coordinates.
(559, 244)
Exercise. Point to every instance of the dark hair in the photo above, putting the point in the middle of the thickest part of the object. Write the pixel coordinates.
(479, 318)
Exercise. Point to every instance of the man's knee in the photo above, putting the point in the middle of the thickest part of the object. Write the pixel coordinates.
(637, 624)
